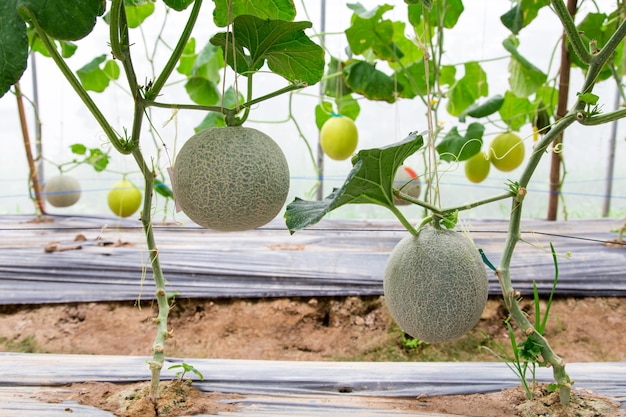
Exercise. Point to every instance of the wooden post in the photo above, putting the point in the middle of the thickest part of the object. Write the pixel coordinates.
(34, 178)
(555, 161)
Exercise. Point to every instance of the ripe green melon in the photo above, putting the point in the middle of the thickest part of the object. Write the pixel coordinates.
(231, 178)
(435, 285)
(477, 167)
(62, 190)
(506, 151)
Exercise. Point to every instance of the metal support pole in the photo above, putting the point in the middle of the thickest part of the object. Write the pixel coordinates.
(608, 190)
(320, 153)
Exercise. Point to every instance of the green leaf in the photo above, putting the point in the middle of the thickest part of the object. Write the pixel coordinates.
(204, 75)
(162, 188)
(449, 11)
(588, 98)
(65, 48)
(212, 119)
(513, 19)
(285, 46)
(188, 57)
(369, 182)
(515, 111)
(468, 89)
(178, 5)
(448, 75)
(520, 15)
(525, 79)
(484, 109)
(137, 13)
(455, 147)
(78, 149)
(264, 9)
(68, 20)
(593, 27)
(598, 27)
(411, 52)
(548, 96)
(111, 69)
(202, 91)
(94, 78)
(323, 113)
(413, 79)
(363, 78)
(450, 219)
(334, 84)
(370, 31)
(13, 46)
(208, 64)
(348, 106)
(97, 159)
(232, 99)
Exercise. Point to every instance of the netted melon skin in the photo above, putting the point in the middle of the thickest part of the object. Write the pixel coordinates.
(436, 285)
(62, 191)
(231, 178)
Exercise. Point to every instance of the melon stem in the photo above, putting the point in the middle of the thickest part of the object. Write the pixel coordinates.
(158, 352)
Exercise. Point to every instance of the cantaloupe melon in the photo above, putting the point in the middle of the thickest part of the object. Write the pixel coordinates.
(231, 178)
(62, 190)
(435, 285)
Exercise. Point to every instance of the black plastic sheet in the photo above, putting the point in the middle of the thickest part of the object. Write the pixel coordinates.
(44, 263)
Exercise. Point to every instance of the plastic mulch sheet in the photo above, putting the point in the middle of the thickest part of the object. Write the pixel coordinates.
(82, 259)
(288, 388)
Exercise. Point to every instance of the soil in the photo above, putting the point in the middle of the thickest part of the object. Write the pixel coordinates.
(317, 329)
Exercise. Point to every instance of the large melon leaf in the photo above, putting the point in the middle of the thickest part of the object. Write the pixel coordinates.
(285, 47)
(226, 10)
(369, 182)
(68, 20)
(13, 45)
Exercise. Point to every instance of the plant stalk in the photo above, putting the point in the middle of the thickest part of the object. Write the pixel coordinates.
(120, 42)
(159, 83)
(503, 273)
(158, 346)
(565, 15)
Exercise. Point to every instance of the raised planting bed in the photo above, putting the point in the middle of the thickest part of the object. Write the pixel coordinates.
(35, 385)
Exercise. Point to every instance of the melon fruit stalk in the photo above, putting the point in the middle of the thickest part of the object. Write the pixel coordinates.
(231, 178)
(435, 285)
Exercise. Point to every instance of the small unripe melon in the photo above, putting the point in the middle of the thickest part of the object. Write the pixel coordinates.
(231, 178)
(62, 190)
(407, 181)
(436, 285)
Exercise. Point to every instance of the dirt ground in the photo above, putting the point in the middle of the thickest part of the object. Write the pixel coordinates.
(326, 329)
